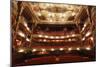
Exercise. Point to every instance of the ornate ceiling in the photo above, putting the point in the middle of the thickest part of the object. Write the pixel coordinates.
(49, 13)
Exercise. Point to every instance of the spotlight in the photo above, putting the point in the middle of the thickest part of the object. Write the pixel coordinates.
(67, 36)
(17, 40)
(57, 37)
(78, 48)
(69, 49)
(43, 50)
(51, 37)
(92, 38)
(88, 48)
(44, 40)
(28, 28)
(27, 39)
(40, 35)
(88, 34)
(21, 50)
(69, 39)
(50, 20)
(73, 14)
(46, 36)
(49, 14)
(39, 14)
(85, 25)
(34, 50)
(52, 49)
(73, 35)
(62, 37)
(25, 24)
(21, 34)
(83, 28)
(83, 38)
(61, 49)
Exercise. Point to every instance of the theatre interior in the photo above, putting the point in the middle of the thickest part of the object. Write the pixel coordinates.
(51, 33)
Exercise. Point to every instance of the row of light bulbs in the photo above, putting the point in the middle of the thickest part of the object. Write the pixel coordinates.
(53, 49)
(57, 37)
(45, 40)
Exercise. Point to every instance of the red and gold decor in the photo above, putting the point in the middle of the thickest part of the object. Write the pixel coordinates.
(50, 33)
